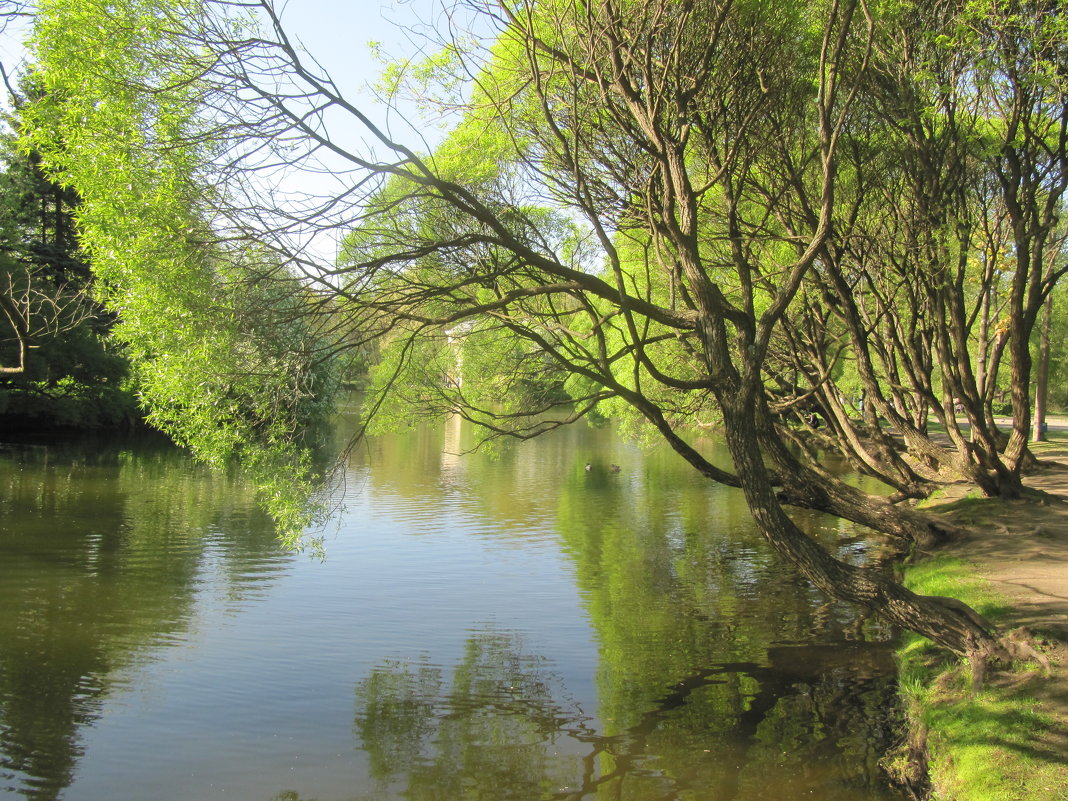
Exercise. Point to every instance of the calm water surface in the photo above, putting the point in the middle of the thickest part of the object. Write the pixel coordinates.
(510, 628)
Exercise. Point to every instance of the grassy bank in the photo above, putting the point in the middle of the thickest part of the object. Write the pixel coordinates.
(985, 744)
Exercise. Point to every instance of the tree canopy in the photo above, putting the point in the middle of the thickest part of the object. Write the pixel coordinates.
(57, 366)
(812, 224)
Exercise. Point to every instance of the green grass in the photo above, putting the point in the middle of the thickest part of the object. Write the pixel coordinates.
(985, 745)
(973, 497)
(1055, 444)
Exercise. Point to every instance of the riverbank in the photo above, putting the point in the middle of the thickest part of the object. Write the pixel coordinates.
(1008, 739)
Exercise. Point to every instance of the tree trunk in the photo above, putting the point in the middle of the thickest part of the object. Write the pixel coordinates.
(946, 622)
(1042, 372)
(799, 485)
(804, 487)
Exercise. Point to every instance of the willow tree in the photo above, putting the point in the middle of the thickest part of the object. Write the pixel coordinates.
(608, 208)
(226, 360)
(947, 244)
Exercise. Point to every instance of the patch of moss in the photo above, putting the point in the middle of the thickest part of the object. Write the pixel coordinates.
(939, 498)
(983, 744)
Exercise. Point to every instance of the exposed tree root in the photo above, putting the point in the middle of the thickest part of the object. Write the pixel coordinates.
(1014, 646)
(1019, 641)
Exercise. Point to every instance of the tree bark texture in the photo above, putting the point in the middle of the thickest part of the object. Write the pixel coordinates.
(949, 625)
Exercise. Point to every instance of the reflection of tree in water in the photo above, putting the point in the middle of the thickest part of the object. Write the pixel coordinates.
(800, 725)
(831, 723)
(697, 623)
(701, 692)
(103, 548)
(495, 730)
(504, 727)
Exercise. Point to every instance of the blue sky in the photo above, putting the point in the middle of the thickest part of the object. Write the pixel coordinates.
(337, 34)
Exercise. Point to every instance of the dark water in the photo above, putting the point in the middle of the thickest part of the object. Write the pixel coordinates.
(510, 628)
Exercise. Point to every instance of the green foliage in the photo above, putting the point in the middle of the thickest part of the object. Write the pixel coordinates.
(76, 380)
(409, 383)
(481, 370)
(432, 81)
(624, 217)
(73, 375)
(1058, 357)
(226, 360)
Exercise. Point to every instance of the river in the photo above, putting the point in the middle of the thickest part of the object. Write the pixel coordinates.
(482, 626)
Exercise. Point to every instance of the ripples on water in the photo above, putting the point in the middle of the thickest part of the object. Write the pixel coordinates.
(510, 628)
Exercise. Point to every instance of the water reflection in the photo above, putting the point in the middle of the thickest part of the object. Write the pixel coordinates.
(721, 673)
(501, 724)
(507, 627)
(104, 548)
(496, 726)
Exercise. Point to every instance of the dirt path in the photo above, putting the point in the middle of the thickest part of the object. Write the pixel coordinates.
(1021, 547)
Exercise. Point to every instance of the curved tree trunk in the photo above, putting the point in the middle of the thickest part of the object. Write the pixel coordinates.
(948, 623)
(806, 488)
(801, 485)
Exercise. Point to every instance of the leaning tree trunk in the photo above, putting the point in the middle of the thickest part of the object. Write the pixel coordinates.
(804, 487)
(799, 485)
(945, 621)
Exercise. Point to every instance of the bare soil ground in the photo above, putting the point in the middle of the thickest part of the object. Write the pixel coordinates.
(1021, 547)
